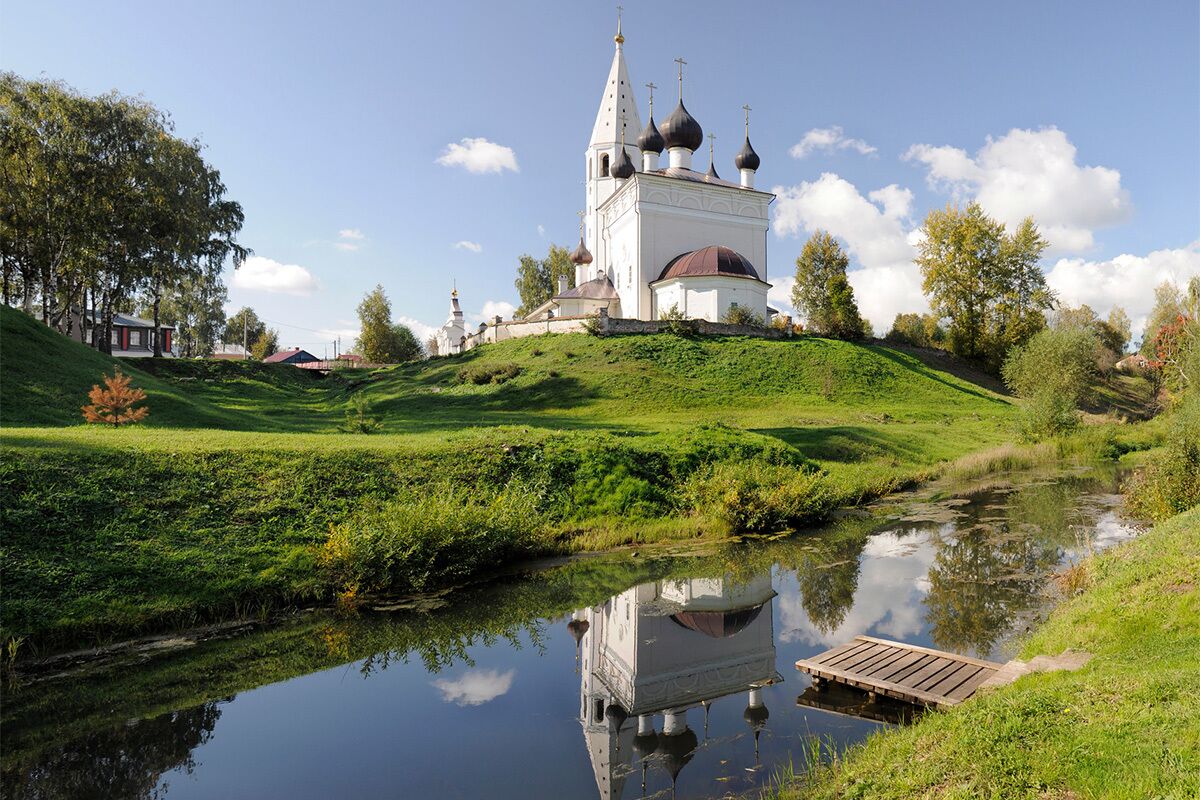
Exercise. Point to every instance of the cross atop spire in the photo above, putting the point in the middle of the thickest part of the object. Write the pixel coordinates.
(747, 109)
(681, 64)
(619, 38)
(712, 140)
(651, 87)
(581, 215)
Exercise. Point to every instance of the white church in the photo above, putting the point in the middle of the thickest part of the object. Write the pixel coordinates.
(655, 237)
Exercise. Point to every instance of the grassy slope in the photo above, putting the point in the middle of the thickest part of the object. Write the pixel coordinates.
(1125, 725)
(219, 503)
(45, 378)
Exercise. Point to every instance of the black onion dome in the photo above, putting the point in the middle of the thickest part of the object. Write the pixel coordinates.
(581, 256)
(756, 716)
(651, 141)
(682, 130)
(746, 157)
(712, 171)
(578, 627)
(622, 167)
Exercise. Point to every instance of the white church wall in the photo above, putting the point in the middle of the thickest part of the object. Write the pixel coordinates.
(709, 297)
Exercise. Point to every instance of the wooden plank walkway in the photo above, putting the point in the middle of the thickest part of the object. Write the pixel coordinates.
(903, 671)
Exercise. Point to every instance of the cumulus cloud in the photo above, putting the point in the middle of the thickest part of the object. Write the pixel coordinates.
(541, 229)
(474, 247)
(419, 329)
(1127, 280)
(267, 275)
(827, 140)
(492, 309)
(878, 235)
(475, 687)
(1031, 173)
(479, 156)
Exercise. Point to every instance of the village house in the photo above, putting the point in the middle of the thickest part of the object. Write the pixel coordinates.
(133, 337)
(293, 356)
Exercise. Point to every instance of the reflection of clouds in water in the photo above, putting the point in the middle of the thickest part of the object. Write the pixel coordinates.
(888, 601)
(475, 687)
(1110, 529)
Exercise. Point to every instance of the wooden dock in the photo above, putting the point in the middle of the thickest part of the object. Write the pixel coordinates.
(903, 671)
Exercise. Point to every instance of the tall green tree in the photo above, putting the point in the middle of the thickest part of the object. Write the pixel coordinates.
(986, 283)
(245, 328)
(537, 279)
(822, 292)
(1120, 327)
(100, 202)
(381, 341)
(1168, 306)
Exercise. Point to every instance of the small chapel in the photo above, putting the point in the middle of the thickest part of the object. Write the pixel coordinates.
(655, 238)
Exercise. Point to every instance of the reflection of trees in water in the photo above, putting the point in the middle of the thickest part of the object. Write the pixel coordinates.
(828, 579)
(125, 761)
(994, 565)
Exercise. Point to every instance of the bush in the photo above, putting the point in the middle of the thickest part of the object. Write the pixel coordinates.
(1053, 372)
(357, 420)
(740, 315)
(677, 324)
(1171, 483)
(488, 373)
(757, 496)
(443, 535)
(614, 490)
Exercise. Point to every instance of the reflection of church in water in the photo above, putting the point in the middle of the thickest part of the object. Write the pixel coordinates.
(658, 651)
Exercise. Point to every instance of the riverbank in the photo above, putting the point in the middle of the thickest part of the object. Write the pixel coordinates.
(1125, 725)
(240, 495)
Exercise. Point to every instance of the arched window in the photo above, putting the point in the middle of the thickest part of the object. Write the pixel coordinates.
(604, 166)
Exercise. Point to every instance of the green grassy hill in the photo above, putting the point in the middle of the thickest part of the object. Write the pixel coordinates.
(241, 492)
(45, 378)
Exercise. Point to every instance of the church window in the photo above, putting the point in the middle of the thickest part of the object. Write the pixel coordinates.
(604, 166)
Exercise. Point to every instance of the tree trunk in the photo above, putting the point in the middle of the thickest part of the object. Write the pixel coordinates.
(157, 334)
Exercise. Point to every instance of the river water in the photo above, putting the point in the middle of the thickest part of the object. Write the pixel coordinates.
(625, 676)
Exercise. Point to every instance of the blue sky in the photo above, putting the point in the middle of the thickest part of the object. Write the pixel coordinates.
(326, 118)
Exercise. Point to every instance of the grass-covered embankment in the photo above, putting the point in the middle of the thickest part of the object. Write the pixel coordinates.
(240, 493)
(1125, 725)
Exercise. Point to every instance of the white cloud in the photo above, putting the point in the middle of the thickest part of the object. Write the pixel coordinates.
(479, 156)
(475, 687)
(419, 329)
(1031, 173)
(349, 239)
(828, 140)
(1127, 280)
(878, 236)
(874, 236)
(266, 275)
(474, 247)
(492, 309)
(541, 231)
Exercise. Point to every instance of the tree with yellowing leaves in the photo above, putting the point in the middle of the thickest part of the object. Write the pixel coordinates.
(113, 405)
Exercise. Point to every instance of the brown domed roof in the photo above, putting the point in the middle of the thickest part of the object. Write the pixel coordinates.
(581, 254)
(717, 624)
(711, 260)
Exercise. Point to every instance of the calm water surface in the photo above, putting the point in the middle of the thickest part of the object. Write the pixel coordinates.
(617, 677)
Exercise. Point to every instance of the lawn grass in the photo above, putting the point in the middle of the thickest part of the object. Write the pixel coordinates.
(1125, 725)
(224, 500)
